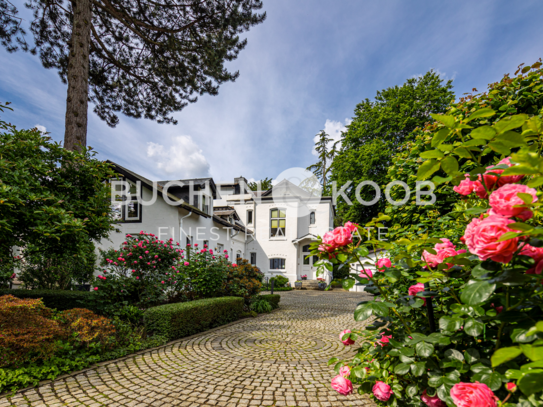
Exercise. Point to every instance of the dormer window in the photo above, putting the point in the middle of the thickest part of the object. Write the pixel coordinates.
(278, 223)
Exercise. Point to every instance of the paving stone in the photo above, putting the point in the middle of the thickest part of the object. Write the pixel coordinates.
(277, 359)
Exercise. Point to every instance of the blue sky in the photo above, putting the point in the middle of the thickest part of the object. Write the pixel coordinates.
(304, 69)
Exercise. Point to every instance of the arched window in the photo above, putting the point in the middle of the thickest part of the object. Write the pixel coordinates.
(278, 222)
(312, 218)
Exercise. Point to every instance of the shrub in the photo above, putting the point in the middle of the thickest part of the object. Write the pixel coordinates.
(86, 327)
(261, 306)
(60, 300)
(27, 332)
(178, 320)
(144, 271)
(52, 198)
(273, 299)
(243, 280)
(44, 270)
(204, 274)
(280, 281)
(268, 288)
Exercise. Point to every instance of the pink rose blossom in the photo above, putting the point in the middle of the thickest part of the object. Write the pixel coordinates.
(535, 253)
(186, 263)
(473, 395)
(351, 227)
(466, 186)
(348, 341)
(366, 274)
(382, 263)
(342, 385)
(95, 288)
(234, 265)
(417, 288)
(432, 401)
(382, 391)
(507, 179)
(481, 237)
(225, 256)
(342, 236)
(345, 371)
(504, 200)
(384, 339)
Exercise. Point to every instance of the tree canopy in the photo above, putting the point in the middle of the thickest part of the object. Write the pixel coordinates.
(377, 132)
(263, 184)
(326, 150)
(143, 59)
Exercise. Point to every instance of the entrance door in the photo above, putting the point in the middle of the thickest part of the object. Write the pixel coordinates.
(306, 263)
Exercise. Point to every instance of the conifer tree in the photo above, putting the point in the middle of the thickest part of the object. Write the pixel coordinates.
(141, 58)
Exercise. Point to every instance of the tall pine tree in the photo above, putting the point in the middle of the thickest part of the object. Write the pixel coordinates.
(326, 151)
(141, 58)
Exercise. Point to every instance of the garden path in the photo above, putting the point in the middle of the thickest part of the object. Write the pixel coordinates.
(277, 359)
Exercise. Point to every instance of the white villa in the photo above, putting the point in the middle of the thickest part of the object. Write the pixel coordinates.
(272, 229)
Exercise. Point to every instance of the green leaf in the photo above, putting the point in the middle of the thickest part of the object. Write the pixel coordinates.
(450, 324)
(418, 368)
(446, 120)
(402, 368)
(484, 132)
(531, 382)
(332, 361)
(510, 123)
(472, 356)
(511, 139)
(499, 147)
(362, 312)
(427, 169)
(453, 354)
(526, 198)
(424, 349)
(492, 380)
(432, 154)
(348, 283)
(473, 327)
(503, 355)
(342, 257)
(412, 390)
(477, 293)
(532, 352)
(440, 136)
(462, 152)
(449, 165)
(478, 114)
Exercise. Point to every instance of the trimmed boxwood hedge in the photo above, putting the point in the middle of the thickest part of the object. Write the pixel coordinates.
(62, 300)
(273, 299)
(182, 319)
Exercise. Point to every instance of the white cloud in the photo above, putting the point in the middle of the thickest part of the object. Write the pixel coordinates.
(41, 128)
(334, 130)
(182, 158)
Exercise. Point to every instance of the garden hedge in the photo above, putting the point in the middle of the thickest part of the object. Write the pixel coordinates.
(182, 319)
(61, 300)
(273, 299)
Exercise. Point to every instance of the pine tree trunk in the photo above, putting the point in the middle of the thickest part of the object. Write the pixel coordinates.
(75, 134)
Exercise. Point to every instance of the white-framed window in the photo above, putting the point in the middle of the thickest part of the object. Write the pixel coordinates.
(126, 208)
(305, 254)
(220, 248)
(206, 203)
(253, 259)
(238, 255)
(312, 218)
(277, 264)
(250, 217)
(278, 222)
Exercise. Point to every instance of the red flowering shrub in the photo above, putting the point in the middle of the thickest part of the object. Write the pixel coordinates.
(244, 280)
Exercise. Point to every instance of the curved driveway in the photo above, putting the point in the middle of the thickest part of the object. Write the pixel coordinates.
(278, 359)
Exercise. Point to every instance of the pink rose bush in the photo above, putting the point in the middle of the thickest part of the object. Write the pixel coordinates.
(475, 341)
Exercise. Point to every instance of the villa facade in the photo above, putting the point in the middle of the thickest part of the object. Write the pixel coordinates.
(271, 229)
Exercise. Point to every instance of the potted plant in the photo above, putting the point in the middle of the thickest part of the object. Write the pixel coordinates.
(298, 285)
(322, 283)
(304, 277)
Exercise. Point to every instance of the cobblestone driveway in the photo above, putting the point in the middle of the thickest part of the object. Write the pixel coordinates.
(277, 359)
